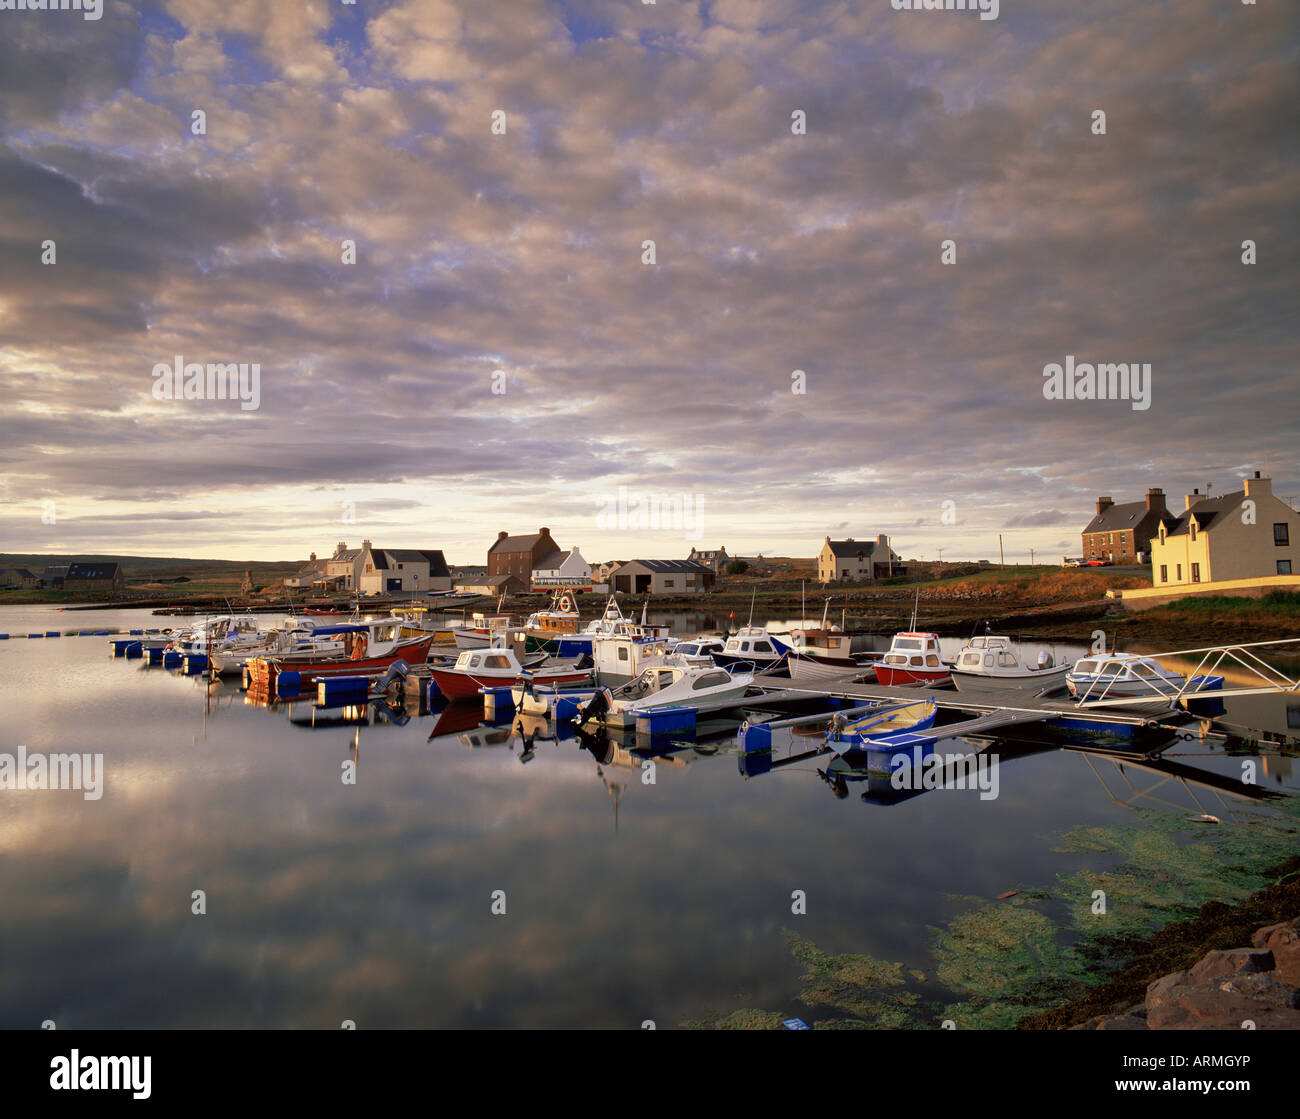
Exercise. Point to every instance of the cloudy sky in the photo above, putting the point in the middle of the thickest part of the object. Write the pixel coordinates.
(521, 251)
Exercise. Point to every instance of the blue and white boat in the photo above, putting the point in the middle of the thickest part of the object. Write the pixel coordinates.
(1137, 681)
(895, 727)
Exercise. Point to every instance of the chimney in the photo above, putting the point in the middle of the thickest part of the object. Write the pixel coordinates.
(502, 535)
(365, 543)
(342, 547)
(1190, 499)
(882, 541)
(1155, 500)
(543, 531)
(313, 557)
(1104, 503)
(1258, 487)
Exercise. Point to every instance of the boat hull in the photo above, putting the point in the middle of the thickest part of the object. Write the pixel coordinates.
(263, 671)
(1025, 683)
(465, 685)
(902, 676)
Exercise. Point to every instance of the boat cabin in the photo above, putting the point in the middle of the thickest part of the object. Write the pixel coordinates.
(914, 650)
(985, 653)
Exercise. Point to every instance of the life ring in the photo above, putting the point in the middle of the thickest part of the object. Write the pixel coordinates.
(566, 604)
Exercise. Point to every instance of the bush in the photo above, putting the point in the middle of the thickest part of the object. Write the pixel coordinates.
(737, 567)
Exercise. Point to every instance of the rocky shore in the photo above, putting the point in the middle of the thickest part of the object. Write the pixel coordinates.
(1228, 968)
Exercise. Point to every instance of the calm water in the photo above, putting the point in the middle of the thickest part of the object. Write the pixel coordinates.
(373, 902)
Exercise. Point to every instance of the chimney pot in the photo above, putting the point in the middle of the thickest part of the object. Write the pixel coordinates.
(1104, 503)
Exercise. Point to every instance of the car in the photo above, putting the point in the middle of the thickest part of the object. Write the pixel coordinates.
(1099, 563)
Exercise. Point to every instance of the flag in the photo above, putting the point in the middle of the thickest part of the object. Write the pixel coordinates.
(732, 615)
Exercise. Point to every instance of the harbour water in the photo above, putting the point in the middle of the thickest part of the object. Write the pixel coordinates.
(379, 902)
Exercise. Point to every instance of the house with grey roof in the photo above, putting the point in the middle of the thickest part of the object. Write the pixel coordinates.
(850, 561)
(402, 570)
(520, 555)
(1122, 533)
(1247, 534)
(662, 577)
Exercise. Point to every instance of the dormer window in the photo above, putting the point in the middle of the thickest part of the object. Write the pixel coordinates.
(1193, 532)
(1162, 534)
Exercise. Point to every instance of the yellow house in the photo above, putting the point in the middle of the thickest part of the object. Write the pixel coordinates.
(1244, 535)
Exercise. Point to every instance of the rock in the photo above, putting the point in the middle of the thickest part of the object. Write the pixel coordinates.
(1230, 962)
(1284, 942)
(1260, 939)
(1263, 988)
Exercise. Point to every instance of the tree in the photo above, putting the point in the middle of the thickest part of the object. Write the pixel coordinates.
(737, 567)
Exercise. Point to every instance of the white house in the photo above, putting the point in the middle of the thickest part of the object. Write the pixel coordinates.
(562, 569)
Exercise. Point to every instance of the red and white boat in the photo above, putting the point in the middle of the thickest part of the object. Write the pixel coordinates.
(499, 667)
(913, 660)
(368, 648)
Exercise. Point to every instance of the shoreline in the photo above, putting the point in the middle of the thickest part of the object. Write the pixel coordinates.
(1178, 946)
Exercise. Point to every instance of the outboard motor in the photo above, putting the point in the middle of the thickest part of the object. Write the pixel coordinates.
(396, 671)
(1044, 659)
(597, 706)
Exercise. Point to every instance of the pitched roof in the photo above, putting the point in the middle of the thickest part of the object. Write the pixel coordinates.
(1206, 512)
(850, 548)
(91, 570)
(1120, 518)
(554, 560)
(516, 543)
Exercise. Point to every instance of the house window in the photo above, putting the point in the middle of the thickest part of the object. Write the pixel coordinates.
(1282, 535)
(1196, 573)
(668, 582)
(1284, 567)
(1193, 532)
(1164, 573)
(1178, 572)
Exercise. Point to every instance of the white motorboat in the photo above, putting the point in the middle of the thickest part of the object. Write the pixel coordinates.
(670, 683)
(992, 664)
(750, 647)
(808, 666)
(238, 647)
(1142, 681)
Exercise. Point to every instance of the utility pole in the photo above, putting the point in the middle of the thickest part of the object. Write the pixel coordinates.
(1031, 557)
(1002, 559)
(940, 563)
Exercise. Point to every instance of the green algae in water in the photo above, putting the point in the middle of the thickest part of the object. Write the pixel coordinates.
(1006, 957)
(1167, 871)
(1007, 960)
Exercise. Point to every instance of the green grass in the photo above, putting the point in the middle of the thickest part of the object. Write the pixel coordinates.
(1275, 602)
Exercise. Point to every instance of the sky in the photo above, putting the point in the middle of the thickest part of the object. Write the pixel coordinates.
(797, 361)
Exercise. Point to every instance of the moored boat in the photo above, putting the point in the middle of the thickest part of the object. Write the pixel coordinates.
(992, 664)
(368, 646)
(1142, 681)
(668, 684)
(498, 667)
(913, 660)
(749, 648)
(865, 731)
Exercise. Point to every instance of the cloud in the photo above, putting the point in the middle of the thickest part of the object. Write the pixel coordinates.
(522, 252)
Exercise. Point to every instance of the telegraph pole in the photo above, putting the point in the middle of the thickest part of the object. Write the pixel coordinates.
(1002, 559)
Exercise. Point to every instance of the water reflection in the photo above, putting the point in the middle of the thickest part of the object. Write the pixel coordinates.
(371, 900)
